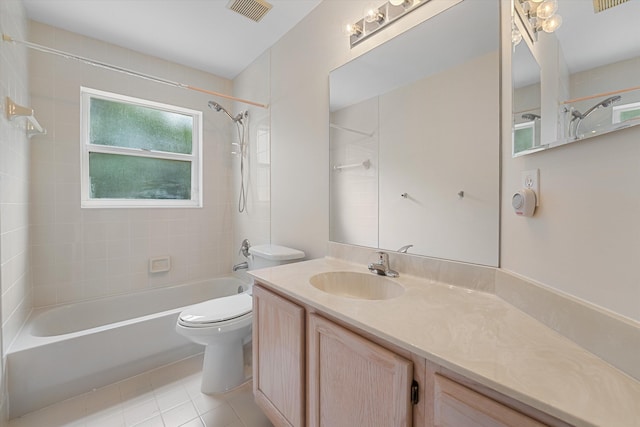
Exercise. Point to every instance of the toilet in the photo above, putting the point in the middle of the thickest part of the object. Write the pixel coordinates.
(222, 325)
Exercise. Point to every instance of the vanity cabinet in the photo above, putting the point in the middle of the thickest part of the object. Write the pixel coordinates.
(458, 406)
(354, 382)
(350, 380)
(278, 358)
(309, 370)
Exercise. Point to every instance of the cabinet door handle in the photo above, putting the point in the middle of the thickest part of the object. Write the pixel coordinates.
(415, 392)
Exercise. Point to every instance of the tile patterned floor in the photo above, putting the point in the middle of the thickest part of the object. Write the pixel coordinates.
(165, 397)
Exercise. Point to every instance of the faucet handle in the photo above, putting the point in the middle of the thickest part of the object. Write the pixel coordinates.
(244, 248)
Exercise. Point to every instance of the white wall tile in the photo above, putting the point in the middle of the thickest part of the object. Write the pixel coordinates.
(110, 247)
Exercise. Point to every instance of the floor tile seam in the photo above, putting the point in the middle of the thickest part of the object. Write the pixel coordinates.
(173, 406)
(144, 421)
(162, 413)
(239, 418)
(156, 414)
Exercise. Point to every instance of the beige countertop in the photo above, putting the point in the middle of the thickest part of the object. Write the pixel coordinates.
(480, 336)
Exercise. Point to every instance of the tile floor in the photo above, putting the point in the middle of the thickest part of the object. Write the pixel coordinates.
(165, 397)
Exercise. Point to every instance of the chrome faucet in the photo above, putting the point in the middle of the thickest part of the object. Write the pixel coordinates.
(382, 266)
(244, 250)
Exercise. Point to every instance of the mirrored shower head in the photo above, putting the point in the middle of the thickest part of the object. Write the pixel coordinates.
(530, 116)
(604, 103)
(578, 118)
(610, 100)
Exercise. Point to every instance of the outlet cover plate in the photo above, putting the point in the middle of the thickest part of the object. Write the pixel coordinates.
(531, 180)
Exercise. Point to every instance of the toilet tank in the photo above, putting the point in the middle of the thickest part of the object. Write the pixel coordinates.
(268, 255)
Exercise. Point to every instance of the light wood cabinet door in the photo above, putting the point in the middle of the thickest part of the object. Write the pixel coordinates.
(279, 358)
(353, 382)
(458, 406)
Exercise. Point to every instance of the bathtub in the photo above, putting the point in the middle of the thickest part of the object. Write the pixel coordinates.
(66, 350)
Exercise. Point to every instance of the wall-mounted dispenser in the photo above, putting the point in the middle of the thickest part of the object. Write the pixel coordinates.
(524, 202)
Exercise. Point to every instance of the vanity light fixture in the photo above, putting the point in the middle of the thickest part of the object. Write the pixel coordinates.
(541, 15)
(516, 36)
(404, 3)
(376, 19)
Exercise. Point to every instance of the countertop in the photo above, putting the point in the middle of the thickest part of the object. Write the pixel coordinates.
(479, 336)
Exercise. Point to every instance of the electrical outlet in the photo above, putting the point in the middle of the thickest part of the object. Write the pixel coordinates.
(531, 180)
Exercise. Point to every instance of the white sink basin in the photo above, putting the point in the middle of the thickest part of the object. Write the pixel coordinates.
(357, 285)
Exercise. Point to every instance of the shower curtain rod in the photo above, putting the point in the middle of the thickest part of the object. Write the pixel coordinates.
(95, 63)
(601, 95)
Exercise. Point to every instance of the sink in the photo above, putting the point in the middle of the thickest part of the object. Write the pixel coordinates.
(357, 285)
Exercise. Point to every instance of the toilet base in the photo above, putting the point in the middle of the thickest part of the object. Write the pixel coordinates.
(223, 367)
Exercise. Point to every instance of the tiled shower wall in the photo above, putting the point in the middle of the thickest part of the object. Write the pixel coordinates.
(14, 182)
(86, 253)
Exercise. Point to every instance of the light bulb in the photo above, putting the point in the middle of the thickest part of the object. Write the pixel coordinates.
(547, 8)
(373, 15)
(353, 29)
(516, 37)
(399, 2)
(552, 24)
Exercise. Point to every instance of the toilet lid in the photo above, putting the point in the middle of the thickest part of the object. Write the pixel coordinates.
(217, 310)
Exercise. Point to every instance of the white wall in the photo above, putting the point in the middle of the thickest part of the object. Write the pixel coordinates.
(85, 253)
(14, 183)
(354, 190)
(455, 150)
(255, 222)
(299, 85)
(584, 239)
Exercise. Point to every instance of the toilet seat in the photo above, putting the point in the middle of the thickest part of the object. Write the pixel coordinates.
(215, 311)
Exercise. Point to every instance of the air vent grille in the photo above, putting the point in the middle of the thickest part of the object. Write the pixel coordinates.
(252, 9)
(600, 5)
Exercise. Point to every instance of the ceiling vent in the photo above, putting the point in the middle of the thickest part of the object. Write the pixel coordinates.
(600, 5)
(252, 9)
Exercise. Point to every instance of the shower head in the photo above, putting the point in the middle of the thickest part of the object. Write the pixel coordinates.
(604, 103)
(238, 118)
(610, 100)
(530, 116)
(214, 105)
(580, 117)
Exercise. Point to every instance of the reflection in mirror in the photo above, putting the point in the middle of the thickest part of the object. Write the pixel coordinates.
(591, 69)
(415, 139)
(602, 53)
(527, 121)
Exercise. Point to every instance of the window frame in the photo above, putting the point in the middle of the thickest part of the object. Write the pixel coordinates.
(195, 158)
(617, 111)
(523, 126)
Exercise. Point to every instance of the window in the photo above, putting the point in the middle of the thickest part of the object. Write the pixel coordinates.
(524, 136)
(138, 153)
(625, 112)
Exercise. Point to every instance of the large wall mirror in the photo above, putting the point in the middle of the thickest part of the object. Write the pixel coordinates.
(415, 140)
(527, 119)
(590, 68)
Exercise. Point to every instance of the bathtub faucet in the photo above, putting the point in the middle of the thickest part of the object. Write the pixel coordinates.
(242, 265)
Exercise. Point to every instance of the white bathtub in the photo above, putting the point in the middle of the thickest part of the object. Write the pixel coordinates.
(67, 350)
